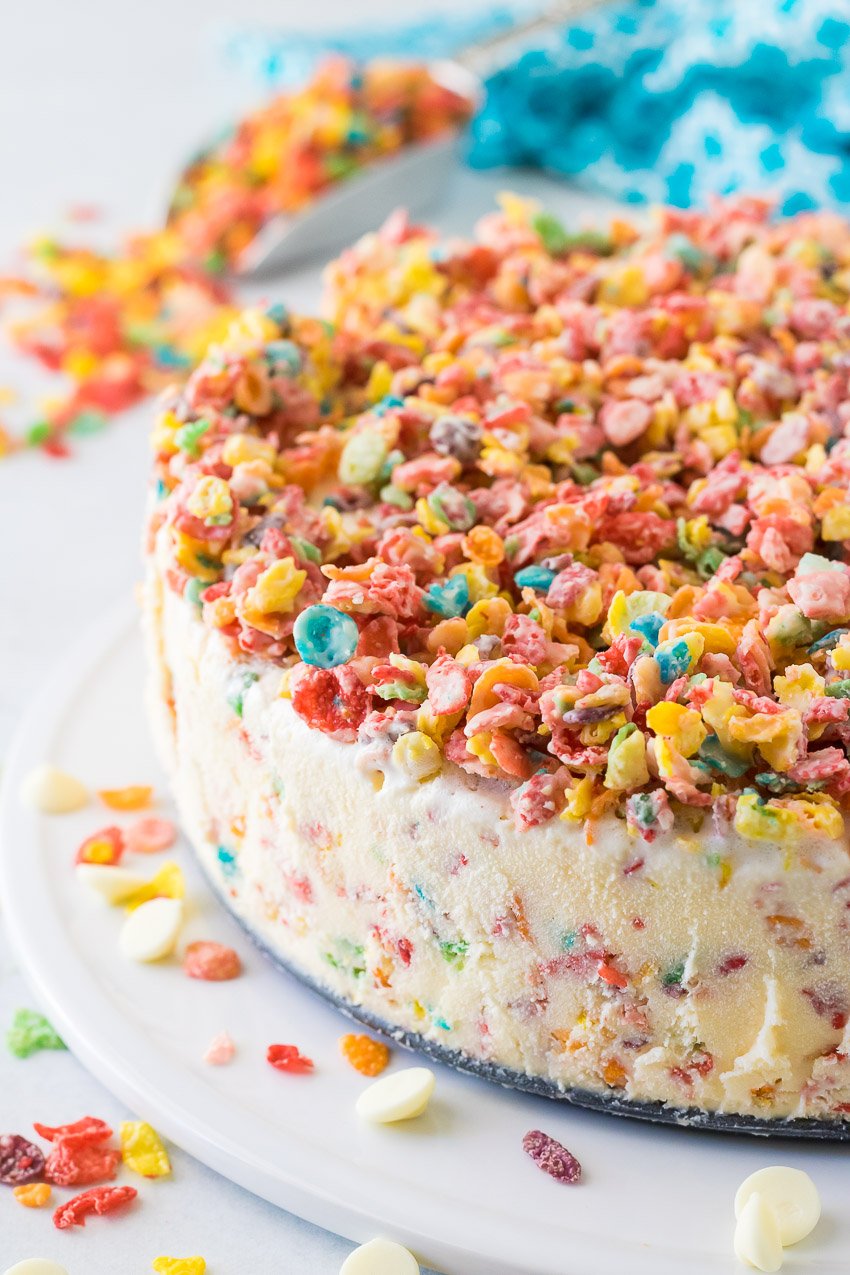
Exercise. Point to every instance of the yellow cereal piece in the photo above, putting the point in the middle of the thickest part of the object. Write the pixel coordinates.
(240, 449)
(429, 520)
(579, 800)
(162, 436)
(841, 655)
(484, 547)
(380, 381)
(480, 584)
(717, 638)
(418, 756)
(210, 500)
(33, 1195)
(167, 883)
(276, 589)
(682, 725)
(179, 1266)
(626, 607)
(142, 1150)
(489, 615)
(627, 766)
(719, 712)
(835, 524)
(762, 821)
(776, 735)
(800, 684)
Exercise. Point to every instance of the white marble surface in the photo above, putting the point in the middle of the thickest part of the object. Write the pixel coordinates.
(98, 103)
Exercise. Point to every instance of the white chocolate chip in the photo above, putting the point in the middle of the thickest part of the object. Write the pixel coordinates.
(114, 884)
(790, 1193)
(757, 1240)
(36, 1266)
(380, 1257)
(150, 932)
(399, 1096)
(53, 791)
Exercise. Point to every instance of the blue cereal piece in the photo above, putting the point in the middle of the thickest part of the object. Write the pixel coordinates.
(648, 626)
(324, 636)
(674, 660)
(534, 577)
(284, 357)
(450, 599)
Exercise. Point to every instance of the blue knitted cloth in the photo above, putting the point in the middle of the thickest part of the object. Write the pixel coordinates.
(649, 100)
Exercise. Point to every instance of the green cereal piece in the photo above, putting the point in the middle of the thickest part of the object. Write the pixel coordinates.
(188, 436)
(31, 1032)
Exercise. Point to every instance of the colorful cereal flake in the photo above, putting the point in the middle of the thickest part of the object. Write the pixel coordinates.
(289, 1058)
(99, 1201)
(365, 1055)
(550, 1156)
(31, 1032)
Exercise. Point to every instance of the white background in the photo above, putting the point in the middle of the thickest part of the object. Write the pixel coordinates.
(99, 102)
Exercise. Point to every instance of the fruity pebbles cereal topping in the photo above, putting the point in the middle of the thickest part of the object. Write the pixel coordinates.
(567, 511)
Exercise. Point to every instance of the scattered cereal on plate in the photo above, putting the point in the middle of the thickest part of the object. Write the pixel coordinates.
(133, 797)
(53, 791)
(289, 1058)
(150, 835)
(104, 847)
(211, 962)
(30, 1032)
(365, 1055)
(220, 1050)
(550, 1156)
(403, 1095)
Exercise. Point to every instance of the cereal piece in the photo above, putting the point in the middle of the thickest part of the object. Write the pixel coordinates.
(104, 847)
(167, 883)
(179, 1265)
(78, 1162)
(551, 1157)
(53, 791)
(792, 1196)
(220, 1050)
(134, 797)
(289, 1058)
(404, 1095)
(115, 885)
(99, 1200)
(34, 1195)
(365, 1055)
(151, 931)
(143, 1151)
(757, 1241)
(31, 1032)
(380, 1257)
(211, 962)
(89, 1129)
(325, 636)
(20, 1161)
(36, 1266)
(149, 835)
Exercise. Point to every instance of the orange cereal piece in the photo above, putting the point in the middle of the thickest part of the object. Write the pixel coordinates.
(33, 1195)
(134, 797)
(365, 1055)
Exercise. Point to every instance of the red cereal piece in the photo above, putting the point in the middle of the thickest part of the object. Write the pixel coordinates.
(148, 835)
(75, 1163)
(212, 962)
(104, 847)
(99, 1200)
(289, 1058)
(20, 1161)
(88, 1129)
(551, 1157)
(449, 686)
(334, 700)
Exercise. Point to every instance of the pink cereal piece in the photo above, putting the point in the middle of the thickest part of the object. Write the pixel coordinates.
(211, 962)
(449, 686)
(625, 420)
(822, 595)
(550, 1156)
(149, 835)
(220, 1050)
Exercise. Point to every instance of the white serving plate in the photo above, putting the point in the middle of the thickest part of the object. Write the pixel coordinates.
(455, 1185)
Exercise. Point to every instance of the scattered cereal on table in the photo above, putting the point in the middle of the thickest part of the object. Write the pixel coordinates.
(21, 1161)
(53, 791)
(33, 1195)
(365, 1055)
(99, 1200)
(30, 1032)
(80, 1154)
(551, 1157)
(179, 1265)
(143, 1150)
(211, 962)
(289, 1058)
